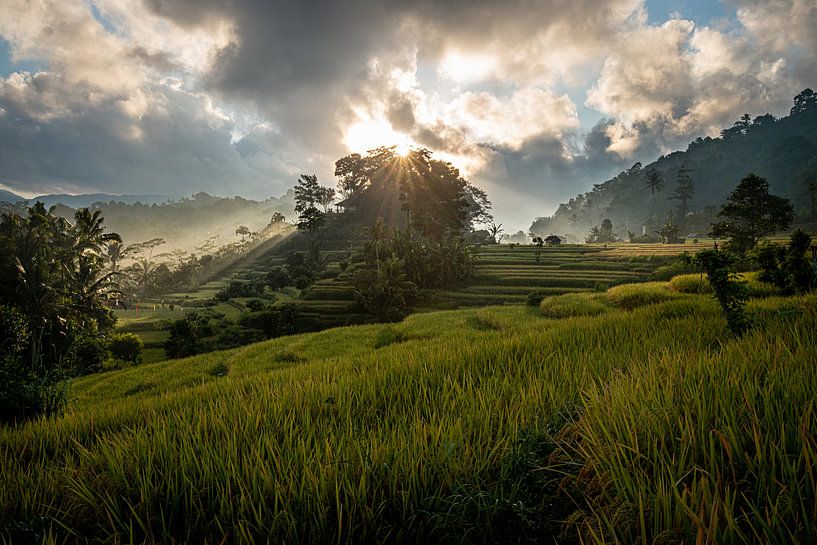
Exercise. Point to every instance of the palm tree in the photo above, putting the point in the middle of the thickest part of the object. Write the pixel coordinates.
(89, 234)
(654, 181)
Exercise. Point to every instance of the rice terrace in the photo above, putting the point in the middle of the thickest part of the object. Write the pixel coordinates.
(408, 273)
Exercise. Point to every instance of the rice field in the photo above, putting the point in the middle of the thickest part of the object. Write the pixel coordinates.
(612, 418)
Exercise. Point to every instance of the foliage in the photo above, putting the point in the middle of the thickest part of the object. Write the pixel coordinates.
(53, 274)
(275, 321)
(684, 191)
(309, 194)
(126, 347)
(28, 387)
(415, 192)
(602, 234)
(730, 292)
(384, 290)
(787, 267)
(669, 232)
(186, 336)
(654, 181)
(535, 297)
(782, 150)
(237, 288)
(278, 278)
(751, 213)
(87, 353)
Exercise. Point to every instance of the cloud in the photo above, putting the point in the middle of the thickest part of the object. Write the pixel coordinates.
(666, 84)
(239, 96)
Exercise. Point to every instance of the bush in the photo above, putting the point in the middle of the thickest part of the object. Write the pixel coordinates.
(787, 267)
(28, 387)
(273, 322)
(126, 347)
(278, 278)
(630, 296)
(573, 304)
(730, 293)
(535, 297)
(88, 353)
(184, 337)
(255, 305)
(690, 283)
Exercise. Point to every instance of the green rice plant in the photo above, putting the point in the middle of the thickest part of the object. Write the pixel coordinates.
(705, 446)
(630, 296)
(573, 304)
(386, 336)
(691, 283)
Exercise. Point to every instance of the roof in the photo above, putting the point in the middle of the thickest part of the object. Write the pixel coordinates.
(553, 237)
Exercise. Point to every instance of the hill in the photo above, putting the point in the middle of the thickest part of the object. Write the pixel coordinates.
(9, 197)
(782, 150)
(495, 425)
(84, 201)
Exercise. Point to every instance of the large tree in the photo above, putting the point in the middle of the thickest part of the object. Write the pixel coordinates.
(308, 194)
(684, 191)
(751, 213)
(426, 195)
(654, 181)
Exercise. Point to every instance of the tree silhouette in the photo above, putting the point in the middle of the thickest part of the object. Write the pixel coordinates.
(655, 183)
(751, 213)
(243, 230)
(684, 190)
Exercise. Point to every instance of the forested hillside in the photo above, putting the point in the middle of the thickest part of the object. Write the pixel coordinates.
(689, 186)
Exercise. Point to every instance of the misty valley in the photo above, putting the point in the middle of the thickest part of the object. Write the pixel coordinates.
(408, 273)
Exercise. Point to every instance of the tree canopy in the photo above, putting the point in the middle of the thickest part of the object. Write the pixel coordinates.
(426, 195)
(751, 213)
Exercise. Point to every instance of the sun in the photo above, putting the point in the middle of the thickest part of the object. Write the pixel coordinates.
(403, 149)
(368, 134)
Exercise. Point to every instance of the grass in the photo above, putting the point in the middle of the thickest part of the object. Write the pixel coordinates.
(490, 425)
(630, 296)
(571, 304)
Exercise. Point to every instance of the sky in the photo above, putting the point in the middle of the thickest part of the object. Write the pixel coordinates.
(533, 100)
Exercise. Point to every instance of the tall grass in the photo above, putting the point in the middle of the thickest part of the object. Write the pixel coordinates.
(440, 437)
(709, 446)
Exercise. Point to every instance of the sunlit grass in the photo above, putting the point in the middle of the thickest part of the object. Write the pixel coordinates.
(323, 437)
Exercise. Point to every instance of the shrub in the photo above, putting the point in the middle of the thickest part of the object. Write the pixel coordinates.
(690, 283)
(730, 293)
(255, 305)
(278, 278)
(630, 296)
(787, 266)
(275, 321)
(535, 297)
(184, 337)
(28, 387)
(126, 347)
(87, 354)
(573, 304)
